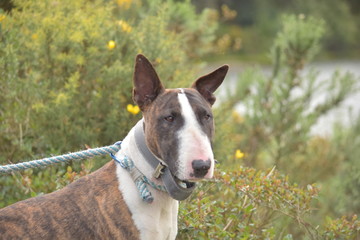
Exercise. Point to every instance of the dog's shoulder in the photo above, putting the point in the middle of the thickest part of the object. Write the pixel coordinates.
(89, 207)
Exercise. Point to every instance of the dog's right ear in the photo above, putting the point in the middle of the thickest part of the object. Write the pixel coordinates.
(147, 85)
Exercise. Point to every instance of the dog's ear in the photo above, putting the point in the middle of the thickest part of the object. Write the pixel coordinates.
(147, 85)
(207, 84)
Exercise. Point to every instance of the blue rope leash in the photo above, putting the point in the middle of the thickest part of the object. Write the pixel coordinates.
(140, 180)
(62, 158)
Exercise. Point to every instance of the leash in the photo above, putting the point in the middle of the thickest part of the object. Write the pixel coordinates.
(141, 181)
(62, 158)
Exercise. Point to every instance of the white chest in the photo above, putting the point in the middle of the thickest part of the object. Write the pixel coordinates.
(157, 220)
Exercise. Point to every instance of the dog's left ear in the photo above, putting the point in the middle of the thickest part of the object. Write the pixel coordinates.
(207, 84)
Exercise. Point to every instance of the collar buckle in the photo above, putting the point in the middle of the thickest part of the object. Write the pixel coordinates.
(159, 170)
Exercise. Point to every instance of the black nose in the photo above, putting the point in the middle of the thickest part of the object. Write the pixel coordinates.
(201, 168)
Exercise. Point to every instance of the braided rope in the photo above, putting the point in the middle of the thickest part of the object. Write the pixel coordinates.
(62, 158)
(152, 184)
(140, 180)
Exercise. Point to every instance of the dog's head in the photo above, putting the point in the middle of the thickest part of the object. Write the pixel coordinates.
(181, 120)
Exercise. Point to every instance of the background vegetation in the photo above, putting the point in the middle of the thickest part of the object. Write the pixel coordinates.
(65, 73)
(251, 25)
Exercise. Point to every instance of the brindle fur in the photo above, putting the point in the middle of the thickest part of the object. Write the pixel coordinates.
(90, 208)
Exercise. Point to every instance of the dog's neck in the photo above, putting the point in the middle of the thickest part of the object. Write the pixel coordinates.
(157, 220)
(130, 148)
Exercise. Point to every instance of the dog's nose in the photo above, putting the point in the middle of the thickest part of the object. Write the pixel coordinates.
(200, 168)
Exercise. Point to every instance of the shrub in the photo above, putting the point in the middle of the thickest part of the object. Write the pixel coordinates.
(342, 228)
(248, 207)
(57, 65)
(279, 113)
(342, 190)
(256, 204)
(66, 72)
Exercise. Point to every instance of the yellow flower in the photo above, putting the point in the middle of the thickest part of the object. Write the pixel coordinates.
(237, 117)
(133, 109)
(61, 98)
(124, 3)
(111, 44)
(2, 17)
(239, 154)
(34, 36)
(38, 106)
(125, 27)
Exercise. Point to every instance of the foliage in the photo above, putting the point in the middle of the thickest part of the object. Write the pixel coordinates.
(66, 70)
(279, 107)
(256, 23)
(342, 31)
(297, 42)
(342, 228)
(250, 206)
(343, 188)
(250, 202)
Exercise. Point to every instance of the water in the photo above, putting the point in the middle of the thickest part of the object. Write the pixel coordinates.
(340, 114)
(325, 124)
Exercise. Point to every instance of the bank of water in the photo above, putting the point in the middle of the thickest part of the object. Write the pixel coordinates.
(345, 113)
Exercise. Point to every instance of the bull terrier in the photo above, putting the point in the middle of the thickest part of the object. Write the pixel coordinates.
(170, 148)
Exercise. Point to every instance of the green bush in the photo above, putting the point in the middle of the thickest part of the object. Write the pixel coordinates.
(66, 72)
(258, 21)
(250, 203)
(256, 204)
(276, 127)
(342, 189)
(61, 77)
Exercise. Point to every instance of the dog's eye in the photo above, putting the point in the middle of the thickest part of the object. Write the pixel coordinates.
(207, 116)
(169, 118)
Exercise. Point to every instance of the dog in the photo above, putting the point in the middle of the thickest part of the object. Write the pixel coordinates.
(170, 148)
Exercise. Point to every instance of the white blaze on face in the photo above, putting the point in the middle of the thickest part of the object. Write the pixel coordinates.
(194, 144)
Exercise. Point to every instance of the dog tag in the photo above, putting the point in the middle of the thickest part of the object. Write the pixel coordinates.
(158, 171)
